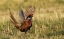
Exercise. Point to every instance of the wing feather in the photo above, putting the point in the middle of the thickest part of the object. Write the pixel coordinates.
(29, 10)
(21, 16)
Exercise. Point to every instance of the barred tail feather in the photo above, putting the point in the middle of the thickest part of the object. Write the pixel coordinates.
(15, 24)
(14, 21)
(13, 18)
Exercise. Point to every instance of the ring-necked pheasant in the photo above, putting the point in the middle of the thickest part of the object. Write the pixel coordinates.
(24, 18)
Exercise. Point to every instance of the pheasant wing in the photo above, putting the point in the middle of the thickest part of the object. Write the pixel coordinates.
(29, 10)
(21, 16)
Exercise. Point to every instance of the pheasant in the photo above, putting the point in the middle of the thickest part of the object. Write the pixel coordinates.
(24, 18)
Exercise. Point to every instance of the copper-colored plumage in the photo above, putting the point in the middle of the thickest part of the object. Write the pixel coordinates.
(25, 19)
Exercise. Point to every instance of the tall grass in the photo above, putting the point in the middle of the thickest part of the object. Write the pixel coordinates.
(48, 20)
(45, 25)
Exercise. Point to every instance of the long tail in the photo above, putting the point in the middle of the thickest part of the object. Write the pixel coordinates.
(13, 20)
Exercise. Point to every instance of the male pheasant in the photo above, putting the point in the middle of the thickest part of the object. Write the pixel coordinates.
(24, 18)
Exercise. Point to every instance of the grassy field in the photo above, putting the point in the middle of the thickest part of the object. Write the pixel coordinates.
(48, 19)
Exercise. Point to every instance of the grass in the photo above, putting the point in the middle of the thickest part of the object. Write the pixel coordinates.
(48, 20)
(48, 26)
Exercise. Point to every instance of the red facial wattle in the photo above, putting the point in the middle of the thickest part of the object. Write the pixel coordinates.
(31, 15)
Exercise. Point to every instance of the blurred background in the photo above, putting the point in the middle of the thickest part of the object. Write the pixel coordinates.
(48, 19)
